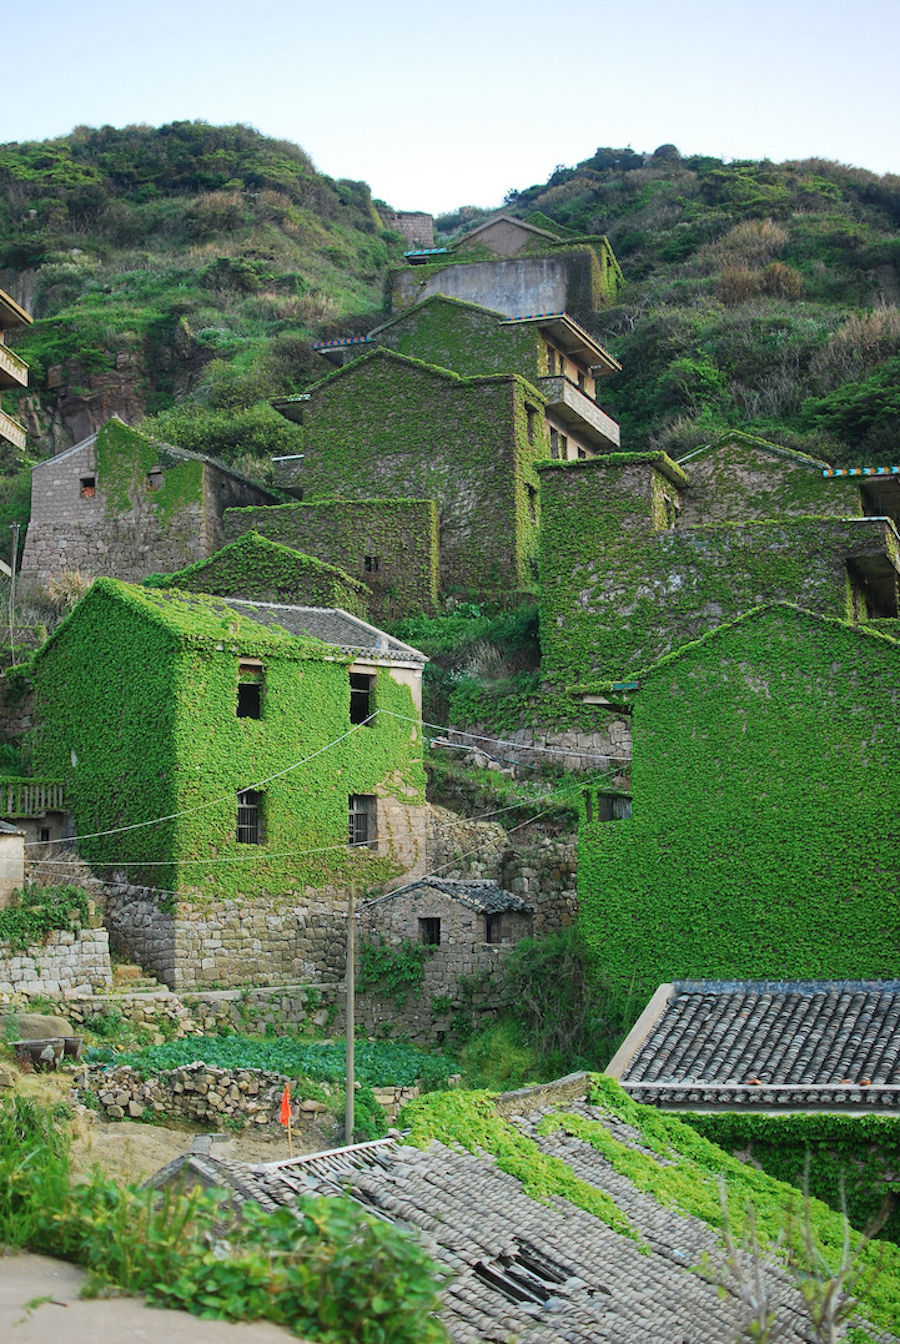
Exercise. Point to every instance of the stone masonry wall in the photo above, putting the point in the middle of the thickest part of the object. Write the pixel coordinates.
(608, 747)
(73, 962)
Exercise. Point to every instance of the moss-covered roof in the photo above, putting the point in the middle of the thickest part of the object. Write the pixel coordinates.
(404, 361)
(252, 550)
(752, 441)
(660, 460)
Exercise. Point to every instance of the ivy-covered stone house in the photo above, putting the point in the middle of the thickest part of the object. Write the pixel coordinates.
(762, 840)
(13, 369)
(265, 571)
(121, 504)
(640, 554)
(516, 267)
(238, 764)
(391, 428)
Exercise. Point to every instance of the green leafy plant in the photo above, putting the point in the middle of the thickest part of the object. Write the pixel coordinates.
(396, 970)
(35, 912)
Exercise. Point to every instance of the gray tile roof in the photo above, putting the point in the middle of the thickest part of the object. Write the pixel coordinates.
(477, 893)
(332, 626)
(538, 1272)
(788, 1045)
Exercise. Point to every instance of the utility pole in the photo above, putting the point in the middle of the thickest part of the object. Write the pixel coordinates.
(350, 1014)
(12, 591)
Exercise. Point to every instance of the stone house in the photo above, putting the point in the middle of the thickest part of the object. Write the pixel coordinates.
(119, 503)
(13, 370)
(514, 267)
(387, 427)
(238, 763)
(640, 554)
(265, 571)
(450, 914)
(761, 842)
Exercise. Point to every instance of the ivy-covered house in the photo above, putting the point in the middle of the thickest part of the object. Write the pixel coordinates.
(265, 571)
(640, 554)
(239, 762)
(515, 266)
(763, 838)
(392, 428)
(122, 504)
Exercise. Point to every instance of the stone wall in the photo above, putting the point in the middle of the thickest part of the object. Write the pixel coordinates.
(517, 286)
(460, 989)
(608, 747)
(73, 962)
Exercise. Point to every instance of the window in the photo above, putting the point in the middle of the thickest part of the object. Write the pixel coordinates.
(430, 932)
(249, 830)
(581, 454)
(551, 361)
(613, 807)
(581, 380)
(362, 818)
(371, 564)
(250, 690)
(554, 442)
(45, 834)
(362, 695)
(493, 928)
(88, 487)
(564, 447)
(588, 805)
(155, 479)
(532, 503)
(531, 422)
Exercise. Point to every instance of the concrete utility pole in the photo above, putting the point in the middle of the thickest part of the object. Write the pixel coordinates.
(12, 591)
(350, 1014)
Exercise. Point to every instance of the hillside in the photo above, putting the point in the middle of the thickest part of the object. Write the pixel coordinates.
(181, 273)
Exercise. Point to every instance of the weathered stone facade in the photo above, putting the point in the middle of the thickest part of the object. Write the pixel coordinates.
(121, 505)
(607, 748)
(65, 962)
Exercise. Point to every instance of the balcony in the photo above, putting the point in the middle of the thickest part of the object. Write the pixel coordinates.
(576, 409)
(13, 370)
(11, 430)
(30, 797)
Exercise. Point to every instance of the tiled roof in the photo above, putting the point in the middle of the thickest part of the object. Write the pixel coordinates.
(477, 893)
(539, 1272)
(331, 625)
(789, 1045)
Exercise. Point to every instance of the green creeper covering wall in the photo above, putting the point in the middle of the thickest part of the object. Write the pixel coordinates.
(764, 838)
(136, 694)
(388, 426)
(349, 533)
(622, 583)
(264, 571)
(466, 338)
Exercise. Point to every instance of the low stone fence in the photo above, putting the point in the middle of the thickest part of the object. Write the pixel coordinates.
(66, 963)
(201, 1094)
(607, 748)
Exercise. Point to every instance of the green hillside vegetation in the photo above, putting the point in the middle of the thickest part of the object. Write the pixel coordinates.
(757, 295)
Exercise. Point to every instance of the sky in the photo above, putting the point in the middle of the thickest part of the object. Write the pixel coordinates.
(441, 108)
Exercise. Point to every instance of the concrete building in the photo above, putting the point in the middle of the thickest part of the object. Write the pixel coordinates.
(13, 370)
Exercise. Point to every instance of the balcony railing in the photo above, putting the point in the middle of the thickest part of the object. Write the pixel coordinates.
(12, 431)
(574, 407)
(13, 369)
(30, 797)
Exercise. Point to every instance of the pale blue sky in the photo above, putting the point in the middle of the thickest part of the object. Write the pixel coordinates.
(439, 109)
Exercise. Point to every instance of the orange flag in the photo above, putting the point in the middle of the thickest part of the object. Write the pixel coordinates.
(286, 1105)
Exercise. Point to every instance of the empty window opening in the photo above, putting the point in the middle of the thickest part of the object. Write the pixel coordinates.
(361, 829)
(250, 690)
(155, 479)
(371, 564)
(613, 807)
(45, 834)
(581, 454)
(493, 928)
(554, 442)
(531, 416)
(249, 829)
(564, 447)
(362, 696)
(430, 932)
(588, 805)
(581, 380)
(88, 486)
(532, 503)
(551, 361)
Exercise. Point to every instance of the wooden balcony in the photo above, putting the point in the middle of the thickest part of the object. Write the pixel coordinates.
(12, 431)
(13, 370)
(30, 797)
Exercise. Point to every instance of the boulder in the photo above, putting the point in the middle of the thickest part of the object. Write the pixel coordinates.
(37, 1026)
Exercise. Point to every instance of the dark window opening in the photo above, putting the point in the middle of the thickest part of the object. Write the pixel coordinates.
(249, 817)
(554, 442)
(613, 807)
(551, 361)
(588, 805)
(430, 932)
(249, 691)
(88, 487)
(371, 564)
(530, 422)
(45, 834)
(532, 503)
(155, 479)
(581, 380)
(362, 695)
(493, 928)
(581, 453)
(361, 828)
(564, 447)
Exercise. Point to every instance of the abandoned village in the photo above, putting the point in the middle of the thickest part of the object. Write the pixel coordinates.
(226, 738)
